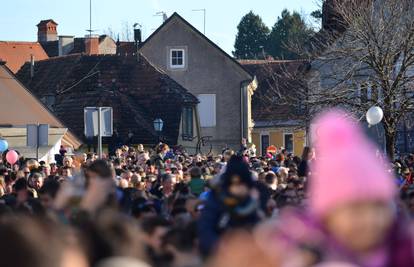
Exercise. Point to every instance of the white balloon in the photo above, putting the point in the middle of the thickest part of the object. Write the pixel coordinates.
(374, 115)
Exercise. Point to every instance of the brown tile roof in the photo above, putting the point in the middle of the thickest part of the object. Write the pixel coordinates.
(15, 54)
(267, 108)
(137, 91)
(51, 48)
(126, 48)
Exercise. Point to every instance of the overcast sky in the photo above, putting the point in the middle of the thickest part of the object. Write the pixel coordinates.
(19, 17)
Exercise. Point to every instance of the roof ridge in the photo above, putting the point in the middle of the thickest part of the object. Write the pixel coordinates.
(20, 42)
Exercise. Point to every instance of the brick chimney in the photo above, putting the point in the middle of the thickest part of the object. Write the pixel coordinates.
(47, 30)
(92, 44)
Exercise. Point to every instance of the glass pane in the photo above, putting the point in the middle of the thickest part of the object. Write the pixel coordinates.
(265, 144)
(289, 142)
(179, 61)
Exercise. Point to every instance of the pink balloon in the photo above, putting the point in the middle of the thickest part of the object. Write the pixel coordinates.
(12, 157)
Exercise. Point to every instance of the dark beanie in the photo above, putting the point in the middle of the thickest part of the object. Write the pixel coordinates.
(237, 166)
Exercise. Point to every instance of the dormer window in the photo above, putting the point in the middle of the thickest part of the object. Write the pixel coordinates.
(177, 58)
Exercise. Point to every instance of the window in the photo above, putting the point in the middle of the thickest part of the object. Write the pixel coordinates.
(207, 110)
(265, 143)
(187, 128)
(177, 58)
(288, 142)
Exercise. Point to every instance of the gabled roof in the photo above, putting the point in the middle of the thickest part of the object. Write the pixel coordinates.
(136, 90)
(46, 21)
(15, 54)
(176, 15)
(26, 107)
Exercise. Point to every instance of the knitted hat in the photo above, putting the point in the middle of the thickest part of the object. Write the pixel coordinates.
(346, 168)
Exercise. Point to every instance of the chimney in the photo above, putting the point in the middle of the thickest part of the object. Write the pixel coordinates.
(46, 31)
(66, 44)
(31, 66)
(137, 36)
(92, 44)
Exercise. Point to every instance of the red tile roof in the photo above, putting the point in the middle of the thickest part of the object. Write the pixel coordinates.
(17, 53)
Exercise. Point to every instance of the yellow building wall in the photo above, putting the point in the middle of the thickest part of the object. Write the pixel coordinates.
(299, 138)
(256, 141)
(276, 137)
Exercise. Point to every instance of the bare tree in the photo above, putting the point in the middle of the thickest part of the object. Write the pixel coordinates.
(126, 33)
(364, 59)
(110, 32)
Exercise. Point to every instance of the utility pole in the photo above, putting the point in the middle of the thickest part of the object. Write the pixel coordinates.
(204, 13)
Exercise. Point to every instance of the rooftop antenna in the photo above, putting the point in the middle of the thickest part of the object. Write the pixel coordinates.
(163, 14)
(204, 13)
(90, 19)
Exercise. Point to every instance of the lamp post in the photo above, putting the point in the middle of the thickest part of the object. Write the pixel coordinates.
(158, 125)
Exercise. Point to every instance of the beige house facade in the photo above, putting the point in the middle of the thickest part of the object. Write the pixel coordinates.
(223, 87)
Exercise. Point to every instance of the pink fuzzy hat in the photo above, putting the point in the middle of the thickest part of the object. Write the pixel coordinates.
(346, 168)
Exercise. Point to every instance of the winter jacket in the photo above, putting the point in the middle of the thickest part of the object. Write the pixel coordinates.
(296, 234)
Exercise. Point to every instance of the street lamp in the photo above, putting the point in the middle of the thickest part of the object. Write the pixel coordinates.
(158, 125)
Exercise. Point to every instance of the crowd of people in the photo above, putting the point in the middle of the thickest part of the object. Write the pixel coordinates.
(336, 205)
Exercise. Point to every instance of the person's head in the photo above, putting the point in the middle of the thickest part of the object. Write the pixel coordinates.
(362, 225)
(154, 230)
(140, 148)
(237, 179)
(115, 235)
(163, 149)
(20, 188)
(36, 180)
(68, 162)
(271, 179)
(167, 182)
(307, 153)
(100, 169)
(406, 173)
(195, 172)
(26, 246)
(351, 192)
(227, 155)
(180, 241)
(66, 172)
(47, 193)
(127, 175)
(32, 164)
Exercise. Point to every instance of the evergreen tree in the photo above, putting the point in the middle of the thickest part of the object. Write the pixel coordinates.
(251, 38)
(289, 28)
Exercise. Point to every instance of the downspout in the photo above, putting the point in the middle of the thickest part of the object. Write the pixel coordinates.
(243, 85)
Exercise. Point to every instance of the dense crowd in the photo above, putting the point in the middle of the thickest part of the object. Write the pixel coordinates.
(336, 204)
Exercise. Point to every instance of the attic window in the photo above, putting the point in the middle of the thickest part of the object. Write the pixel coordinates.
(177, 58)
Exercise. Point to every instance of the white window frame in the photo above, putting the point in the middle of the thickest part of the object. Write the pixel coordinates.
(293, 141)
(182, 66)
